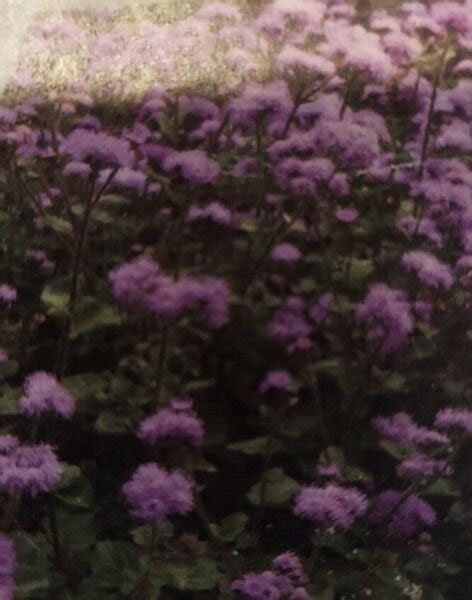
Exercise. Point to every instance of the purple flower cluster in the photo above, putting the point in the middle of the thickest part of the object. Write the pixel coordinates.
(178, 423)
(29, 469)
(457, 420)
(285, 581)
(419, 465)
(429, 270)
(154, 493)
(44, 394)
(404, 516)
(387, 315)
(140, 286)
(401, 428)
(331, 506)
(277, 381)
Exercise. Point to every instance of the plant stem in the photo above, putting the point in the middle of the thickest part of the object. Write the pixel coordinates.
(56, 540)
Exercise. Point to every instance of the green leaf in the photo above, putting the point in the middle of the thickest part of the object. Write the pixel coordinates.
(443, 487)
(9, 400)
(92, 315)
(255, 446)
(58, 224)
(274, 489)
(55, 300)
(397, 451)
(116, 565)
(198, 574)
(32, 576)
(233, 526)
(109, 422)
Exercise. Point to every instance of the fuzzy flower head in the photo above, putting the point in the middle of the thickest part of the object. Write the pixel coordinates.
(458, 420)
(44, 394)
(419, 465)
(178, 422)
(387, 315)
(213, 213)
(258, 586)
(401, 429)
(8, 443)
(193, 166)
(289, 564)
(285, 253)
(7, 568)
(277, 381)
(30, 469)
(154, 493)
(132, 282)
(7, 293)
(429, 270)
(85, 145)
(330, 506)
(403, 516)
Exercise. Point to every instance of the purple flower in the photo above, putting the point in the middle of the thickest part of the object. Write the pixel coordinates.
(429, 270)
(85, 145)
(319, 312)
(192, 165)
(124, 178)
(155, 493)
(177, 422)
(403, 516)
(8, 443)
(387, 315)
(289, 325)
(30, 470)
(425, 227)
(261, 586)
(278, 381)
(289, 564)
(42, 394)
(77, 168)
(419, 465)
(3, 356)
(401, 428)
(7, 293)
(328, 471)
(292, 59)
(346, 214)
(132, 282)
(455, 419)
(330, 506)
(7, 568)
(213, 212)
(286, 253)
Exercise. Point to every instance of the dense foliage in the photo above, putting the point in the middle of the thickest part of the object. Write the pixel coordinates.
(235, 330)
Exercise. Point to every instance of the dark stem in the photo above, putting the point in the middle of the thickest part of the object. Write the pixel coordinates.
(56, 540)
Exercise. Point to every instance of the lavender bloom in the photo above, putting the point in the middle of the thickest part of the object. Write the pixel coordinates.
(192, 165)
(387, 314)
(346, 214)
(7, 568)
(404, 516)
(177, 422)
(208, 294)
(213, 212)
(425, 227)
(428, 269)
(464, 269)
(319, 312)
(278, 381)
(455, 419)
(292, 59)
(285, 253)
(124, 178)
(155, 493)
(85, 145)
(328, 471)
(401, 428)
(29, 470)
(8, 443)
(132, 282)
(289, 564)
(3, 356)
(43, 393)
(330, 506)
(261, 100)
(289, 325)
(419, 465)
(7, 293)
(77, 168)
(260, 586)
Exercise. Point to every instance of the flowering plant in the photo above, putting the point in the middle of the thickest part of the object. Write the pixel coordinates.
(236, 322)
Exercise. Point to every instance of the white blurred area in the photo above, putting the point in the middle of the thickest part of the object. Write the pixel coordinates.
(16, 16)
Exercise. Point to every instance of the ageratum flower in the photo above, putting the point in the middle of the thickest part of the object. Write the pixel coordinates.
(289, 564)
(29, 469)
(7, 568)
(44, 394)
(85, 145)
(387, 315)
(429, 270)
(260, 586)
(213, 212)
(154, 493)
(454, 419)
(403, 516)
(401, 428)
(192, 165)
(419, 465)
(277, 381)
(285, 253)
(178, 422)
(8, 443)
(330, 506)
(8, 293)
(133, 282)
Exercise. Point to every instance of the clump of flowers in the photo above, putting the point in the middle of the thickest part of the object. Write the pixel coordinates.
(154, 493)
(177, 422)
(29, 469)
(44, 394)
(331, 506)
(404, 516)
